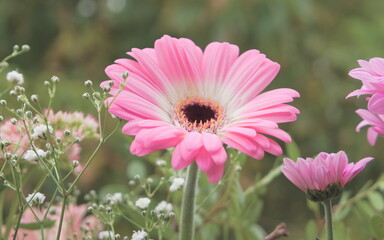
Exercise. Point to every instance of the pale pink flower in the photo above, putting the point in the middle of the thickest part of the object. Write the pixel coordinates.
(177, 95)
(15, 135)
(74, 219)
(371, 74)
(323, 172)
(375, 123)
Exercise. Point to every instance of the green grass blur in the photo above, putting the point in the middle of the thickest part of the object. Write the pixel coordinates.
(315, 42)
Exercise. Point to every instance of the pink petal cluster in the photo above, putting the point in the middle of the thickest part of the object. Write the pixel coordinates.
(177, 95)
(321, 172)
(371, 74)
(375, 123)
(15, 135)
(74, 219)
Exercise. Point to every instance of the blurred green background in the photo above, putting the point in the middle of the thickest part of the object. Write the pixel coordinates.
(315, 42)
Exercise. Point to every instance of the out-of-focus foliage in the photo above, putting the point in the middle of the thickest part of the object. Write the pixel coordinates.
(316, 43)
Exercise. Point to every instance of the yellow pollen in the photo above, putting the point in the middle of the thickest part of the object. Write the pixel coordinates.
(197, 114)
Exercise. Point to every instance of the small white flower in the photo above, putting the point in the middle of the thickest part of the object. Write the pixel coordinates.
(143, 203)
(40, 131)
(35, 199)
(117, 197)
(15, 77)
(177, 183)
(163, 207)
(31, 156)
(139, 235)
(106, 235)
(161, 162)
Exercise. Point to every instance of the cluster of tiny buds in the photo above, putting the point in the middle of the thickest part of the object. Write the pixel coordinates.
(24, 48)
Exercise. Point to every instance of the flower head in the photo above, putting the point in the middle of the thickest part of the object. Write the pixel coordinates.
(371, 74)
(177, 183)
(375, 123)
(139, 235)
(15, 77)
(31, 155)
(163, 207)
(106, 235)
(177, 95)
(35, 199)
(143, 203)
(323, 177)
(40, 131)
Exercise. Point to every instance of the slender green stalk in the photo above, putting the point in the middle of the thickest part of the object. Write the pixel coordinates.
(187, 228)
(62, 215)
(328, 218)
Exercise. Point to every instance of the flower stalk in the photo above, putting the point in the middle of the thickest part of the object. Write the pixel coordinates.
(187, 226)
(328, 218)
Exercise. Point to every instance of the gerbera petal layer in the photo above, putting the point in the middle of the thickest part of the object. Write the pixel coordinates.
(177, 95)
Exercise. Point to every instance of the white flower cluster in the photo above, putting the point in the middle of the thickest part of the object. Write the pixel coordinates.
(143, 203)
(40, 131)
(177, 183)
(163, 208)
(31, 155)
(139, 235)
(35, 199)
(106, 235)
(15, 77)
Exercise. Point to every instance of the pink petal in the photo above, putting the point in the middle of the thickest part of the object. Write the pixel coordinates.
(376, 103)
(215, 173)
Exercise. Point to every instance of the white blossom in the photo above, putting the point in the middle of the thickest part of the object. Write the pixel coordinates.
(116, 197)
(161, 162)
(143, 203)
(40, 131)
(177, 183)
(106, 235)
(35, 199)
(163, 207)
(15, 77)
(139, 235)
(31, 155)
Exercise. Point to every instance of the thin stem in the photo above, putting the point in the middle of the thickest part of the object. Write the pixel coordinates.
(62, 215)
(328, 218)
(187, 228)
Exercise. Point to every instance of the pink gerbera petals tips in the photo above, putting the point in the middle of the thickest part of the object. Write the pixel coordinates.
(178, 95)
(323, 177)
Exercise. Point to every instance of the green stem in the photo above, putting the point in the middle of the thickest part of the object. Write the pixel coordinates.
(62, 215)
(188, 205)
(328, 218)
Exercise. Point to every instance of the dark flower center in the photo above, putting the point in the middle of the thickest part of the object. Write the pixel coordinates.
(199, 113)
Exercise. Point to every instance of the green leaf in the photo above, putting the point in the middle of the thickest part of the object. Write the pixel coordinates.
(365, 208)
(293, 151)
(38, 225)
(377, 226)
(376, 200)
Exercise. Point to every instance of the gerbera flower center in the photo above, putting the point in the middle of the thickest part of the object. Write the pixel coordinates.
(197, 114)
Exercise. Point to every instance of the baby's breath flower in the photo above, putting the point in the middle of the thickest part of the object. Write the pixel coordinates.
(161, 162)
(177, 183)
(55, 79)
(105, 235)
(34, 98)
(35, 199)
(139, 235)
(163, 207)
(41, 130)
(31, 156)
(15, 77)
(117, 197)
(143, 203)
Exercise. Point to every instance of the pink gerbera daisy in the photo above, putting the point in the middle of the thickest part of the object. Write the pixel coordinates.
(323, 177)
(371, 74)
(179, 96)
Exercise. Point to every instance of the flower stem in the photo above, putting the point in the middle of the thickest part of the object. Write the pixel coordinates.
(187, 228)
(328, 218)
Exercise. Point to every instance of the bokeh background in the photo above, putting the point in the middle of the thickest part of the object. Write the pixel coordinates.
(316, 43)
